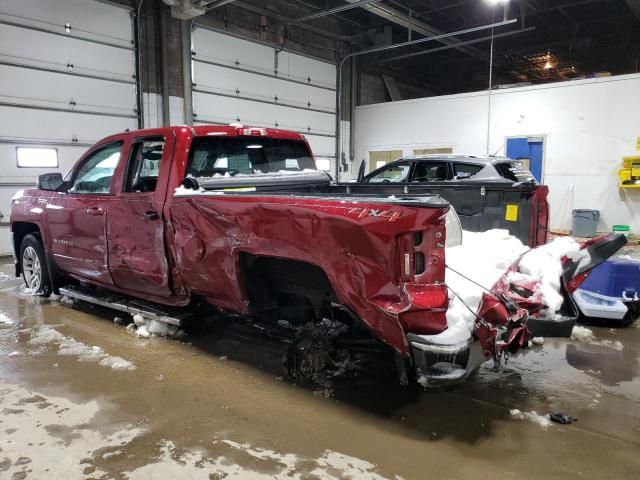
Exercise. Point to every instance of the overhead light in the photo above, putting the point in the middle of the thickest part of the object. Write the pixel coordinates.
(253, 147)
(496, 2)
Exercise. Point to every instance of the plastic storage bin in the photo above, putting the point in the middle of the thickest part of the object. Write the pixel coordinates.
(611, 290)
(585, 222)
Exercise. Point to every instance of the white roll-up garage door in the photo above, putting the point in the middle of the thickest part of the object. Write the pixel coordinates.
(236, 80)
(67, 79)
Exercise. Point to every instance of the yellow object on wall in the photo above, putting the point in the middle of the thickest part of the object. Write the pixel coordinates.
(629, 174)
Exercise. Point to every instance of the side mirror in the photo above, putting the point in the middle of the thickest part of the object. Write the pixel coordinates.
(50, 181)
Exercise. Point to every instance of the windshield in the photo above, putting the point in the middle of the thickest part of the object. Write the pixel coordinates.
(231, 156)
(514, 170)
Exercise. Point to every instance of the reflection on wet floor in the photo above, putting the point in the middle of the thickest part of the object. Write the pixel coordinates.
(213, 404)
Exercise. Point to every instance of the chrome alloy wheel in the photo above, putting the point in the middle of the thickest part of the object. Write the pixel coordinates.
(32, 268)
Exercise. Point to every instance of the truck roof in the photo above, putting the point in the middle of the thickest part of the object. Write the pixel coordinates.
(234, 129)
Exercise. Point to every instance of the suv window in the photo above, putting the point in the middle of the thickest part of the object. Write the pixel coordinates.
(394, 173)
(514, 170)
(228, 156)
(437, 171)
(466, 170)
(96, 173)
(144, 165)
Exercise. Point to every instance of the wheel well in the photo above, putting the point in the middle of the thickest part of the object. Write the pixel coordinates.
(292, 290)
(21, 230)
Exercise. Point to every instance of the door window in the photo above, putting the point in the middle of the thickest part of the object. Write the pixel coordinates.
(466, 170)
(144, 165)
(96, 173)
(431, 171)
(392, 174)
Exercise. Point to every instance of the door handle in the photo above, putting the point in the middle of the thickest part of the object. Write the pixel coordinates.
(151, 215)
(94, 211)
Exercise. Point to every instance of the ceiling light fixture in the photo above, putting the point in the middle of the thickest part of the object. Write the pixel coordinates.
(496, 2)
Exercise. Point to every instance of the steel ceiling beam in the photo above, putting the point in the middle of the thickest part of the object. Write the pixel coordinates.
(331, 11)
(455, 45)
(415, 25)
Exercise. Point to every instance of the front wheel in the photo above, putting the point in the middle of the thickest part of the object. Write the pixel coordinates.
(34, 266)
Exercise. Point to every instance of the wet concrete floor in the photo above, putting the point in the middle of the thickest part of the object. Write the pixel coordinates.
(81, 397)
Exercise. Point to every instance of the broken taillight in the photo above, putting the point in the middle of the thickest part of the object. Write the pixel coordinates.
(575, 282)
(422, 255)
(539, 216)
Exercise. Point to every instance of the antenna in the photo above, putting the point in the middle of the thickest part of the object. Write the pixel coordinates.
(498, 151)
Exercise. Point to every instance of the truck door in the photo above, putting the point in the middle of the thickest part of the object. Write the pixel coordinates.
(77, 219)
(137, 256)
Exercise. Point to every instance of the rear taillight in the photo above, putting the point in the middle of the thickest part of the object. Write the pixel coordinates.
(575, 282)
(539, 216)
(428, 309)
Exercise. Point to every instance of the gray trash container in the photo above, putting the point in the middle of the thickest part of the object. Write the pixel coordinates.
(585, 222)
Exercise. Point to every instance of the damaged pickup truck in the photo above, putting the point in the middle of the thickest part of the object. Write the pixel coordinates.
(164, 221)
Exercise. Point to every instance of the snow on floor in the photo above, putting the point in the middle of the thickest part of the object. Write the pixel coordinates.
(145, 328)
(51, 437)
(267, 464)
(69, 346)
(542, 420)
(5, 320)
(484, 257)
(586, 335)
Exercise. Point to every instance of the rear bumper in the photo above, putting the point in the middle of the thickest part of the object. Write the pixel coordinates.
(444, 364)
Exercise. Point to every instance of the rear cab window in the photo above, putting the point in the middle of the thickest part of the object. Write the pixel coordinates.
(514, 170)
(218, 156)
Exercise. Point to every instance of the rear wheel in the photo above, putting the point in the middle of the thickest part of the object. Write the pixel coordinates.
(34, 266)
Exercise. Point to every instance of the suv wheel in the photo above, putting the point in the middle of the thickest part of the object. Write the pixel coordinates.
(34, 266)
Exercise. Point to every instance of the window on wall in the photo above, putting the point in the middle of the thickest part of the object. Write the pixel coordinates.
(37, 157)
(323, 164)
(381, 158)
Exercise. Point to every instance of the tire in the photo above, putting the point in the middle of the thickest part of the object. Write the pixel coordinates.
(33, 263)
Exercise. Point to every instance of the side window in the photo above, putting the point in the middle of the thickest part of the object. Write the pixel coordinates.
(392, 174)
(431, 171)
(144, 165)
(466, 170)
(96, 173)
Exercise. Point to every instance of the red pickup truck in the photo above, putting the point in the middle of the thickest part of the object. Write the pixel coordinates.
(240, 219)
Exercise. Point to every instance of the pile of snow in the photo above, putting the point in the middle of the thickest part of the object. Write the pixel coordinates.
(5, 320)
(542, 420)
(145, 328)
(484, 257)
(585, 335)
(63, 299)
(582, 334)
(71, 347)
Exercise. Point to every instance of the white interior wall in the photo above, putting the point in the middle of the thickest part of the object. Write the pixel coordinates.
(589, 126)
